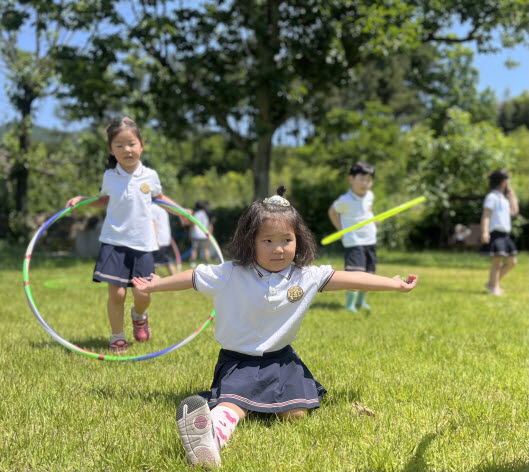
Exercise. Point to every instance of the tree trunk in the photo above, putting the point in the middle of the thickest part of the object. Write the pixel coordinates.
(261, 166)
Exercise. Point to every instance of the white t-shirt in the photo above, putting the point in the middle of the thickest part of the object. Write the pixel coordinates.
(128, 220)
(354, 209)
(163, 225)
(259, 311)
(196, 232)
(500, 219)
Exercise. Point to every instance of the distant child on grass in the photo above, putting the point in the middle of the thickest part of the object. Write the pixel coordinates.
(127, 236)
(164, 256)
(199, 239)
(499, 206)
(260, 298)
(347, 210)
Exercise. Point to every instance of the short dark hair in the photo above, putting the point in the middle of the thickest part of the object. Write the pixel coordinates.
(497, 177)
(241, 248)
(113, 129)
(363, 168)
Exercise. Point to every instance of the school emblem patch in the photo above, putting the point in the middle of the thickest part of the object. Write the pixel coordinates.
(294, 293)
(145, 188)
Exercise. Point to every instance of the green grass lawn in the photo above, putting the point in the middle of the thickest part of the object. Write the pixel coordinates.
(443, 369)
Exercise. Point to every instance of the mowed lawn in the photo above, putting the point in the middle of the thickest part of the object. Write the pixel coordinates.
(434, 380)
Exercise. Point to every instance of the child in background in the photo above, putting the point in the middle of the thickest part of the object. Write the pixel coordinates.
(199, 239)
(127, 235)
(164, 255)
(260, 298)
(347, 210)
(499, 206)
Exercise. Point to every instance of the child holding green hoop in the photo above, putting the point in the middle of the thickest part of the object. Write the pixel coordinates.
(127, 235)
(347, 210)
(260, 298)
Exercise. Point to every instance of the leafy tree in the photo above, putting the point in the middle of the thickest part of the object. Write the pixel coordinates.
(514, 113)
(248, 67)
(451, 169)
(31, 75)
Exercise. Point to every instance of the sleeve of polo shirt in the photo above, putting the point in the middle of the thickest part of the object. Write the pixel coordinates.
(211, 279)
(156, 185)
(322, 275)
(104, 185)
(339, 205)
(490, 201)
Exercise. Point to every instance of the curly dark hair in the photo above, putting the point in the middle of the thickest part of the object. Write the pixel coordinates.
(241, 248)
(113, 129)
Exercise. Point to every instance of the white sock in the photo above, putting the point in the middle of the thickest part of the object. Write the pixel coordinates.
(224, 420)
(116, 336)
(137, 317)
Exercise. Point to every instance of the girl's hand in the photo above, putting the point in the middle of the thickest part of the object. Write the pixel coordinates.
(407, 285)
(144, 285)
(74, 201)
(485, 238)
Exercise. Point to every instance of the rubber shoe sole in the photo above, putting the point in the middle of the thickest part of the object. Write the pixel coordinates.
(195, 427)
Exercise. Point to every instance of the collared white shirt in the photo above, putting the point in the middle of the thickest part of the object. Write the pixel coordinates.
(259, 311)
(196, 232)
(128, 220)
(163, 225)
(354, 209)
(498, 204)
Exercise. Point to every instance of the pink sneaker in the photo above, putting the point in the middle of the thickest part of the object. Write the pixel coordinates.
(142, 330)
(118, 345)
(195, 427)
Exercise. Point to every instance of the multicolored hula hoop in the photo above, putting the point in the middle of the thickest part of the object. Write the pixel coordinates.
(73, 347)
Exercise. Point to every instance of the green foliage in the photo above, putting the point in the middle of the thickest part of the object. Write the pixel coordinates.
(514, 113)
(456, 164)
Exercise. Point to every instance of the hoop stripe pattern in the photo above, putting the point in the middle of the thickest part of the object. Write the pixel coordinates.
(73, 347)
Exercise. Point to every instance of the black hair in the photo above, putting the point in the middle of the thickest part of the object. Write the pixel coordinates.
(497, 177)
(241, 248)
(363, 168)
(113, 129)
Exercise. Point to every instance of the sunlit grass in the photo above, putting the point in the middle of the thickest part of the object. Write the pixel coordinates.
(444, 369)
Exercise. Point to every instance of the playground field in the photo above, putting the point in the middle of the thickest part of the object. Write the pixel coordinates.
(433, 380)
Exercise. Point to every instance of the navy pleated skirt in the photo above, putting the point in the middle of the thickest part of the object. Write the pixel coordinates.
(119, 264)
(500, 244)
(278, 381)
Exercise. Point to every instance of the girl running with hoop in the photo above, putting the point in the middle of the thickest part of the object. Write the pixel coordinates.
(128, 237)
(260, 297)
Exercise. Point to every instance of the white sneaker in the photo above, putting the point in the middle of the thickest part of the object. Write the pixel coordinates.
(195, 427)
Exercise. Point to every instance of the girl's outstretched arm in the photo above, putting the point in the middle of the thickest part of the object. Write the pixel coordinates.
(345, 280)
(101, 202)
(180, 281)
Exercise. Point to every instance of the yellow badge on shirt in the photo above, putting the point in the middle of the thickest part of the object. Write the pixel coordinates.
(294, 293)
(145, 188)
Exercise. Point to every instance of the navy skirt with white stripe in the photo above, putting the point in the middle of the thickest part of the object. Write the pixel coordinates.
(278, 381)
(500, 244)
(119, 264)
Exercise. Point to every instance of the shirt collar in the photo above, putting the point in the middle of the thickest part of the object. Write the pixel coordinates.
(286, 273)
(136, 173)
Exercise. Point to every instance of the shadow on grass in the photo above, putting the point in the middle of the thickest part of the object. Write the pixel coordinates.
(512, 467)
(90, 344)
(326, 305)
(417, 462)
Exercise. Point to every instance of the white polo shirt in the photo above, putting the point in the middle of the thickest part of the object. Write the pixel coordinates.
(128, 221)
(498, 204)
(163, 224)
(259, 311)
(354, 209)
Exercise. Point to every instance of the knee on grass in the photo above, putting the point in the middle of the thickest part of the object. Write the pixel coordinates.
(294, 414)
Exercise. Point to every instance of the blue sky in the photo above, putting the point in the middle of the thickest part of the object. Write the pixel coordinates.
(492, 73)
